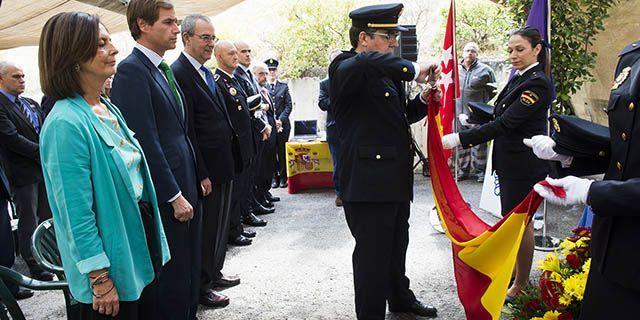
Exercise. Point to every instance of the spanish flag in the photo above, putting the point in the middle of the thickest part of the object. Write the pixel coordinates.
(483, 255)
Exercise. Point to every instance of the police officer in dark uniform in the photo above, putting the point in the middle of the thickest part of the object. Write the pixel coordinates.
(243, 122)
(613, 285)
(282, 106)
(521, 112)
(376, 172)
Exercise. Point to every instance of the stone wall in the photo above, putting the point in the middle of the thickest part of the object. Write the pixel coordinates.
(622, 28)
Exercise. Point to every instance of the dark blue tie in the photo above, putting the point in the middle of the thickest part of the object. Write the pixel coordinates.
(31, 116)
(209, 76)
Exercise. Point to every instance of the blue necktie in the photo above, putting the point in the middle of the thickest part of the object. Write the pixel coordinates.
(26, 110)
(209, 76)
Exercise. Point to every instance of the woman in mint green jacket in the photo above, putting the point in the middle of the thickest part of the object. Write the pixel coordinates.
(106, 218)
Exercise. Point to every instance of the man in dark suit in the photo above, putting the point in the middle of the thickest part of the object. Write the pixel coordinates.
(241, 119)
(324, 102)
(7, 249)
(376, 162)
(213, 138)
(152, 103)
(258, 201)
(20, 122)
(268, 157)
(282, 104)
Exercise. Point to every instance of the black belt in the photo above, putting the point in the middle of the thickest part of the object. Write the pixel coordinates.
(149, 224)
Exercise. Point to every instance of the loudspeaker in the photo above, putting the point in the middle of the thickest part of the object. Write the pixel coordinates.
(408, 45)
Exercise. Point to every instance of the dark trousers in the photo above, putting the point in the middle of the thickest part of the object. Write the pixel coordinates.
(381, 231)
(334, 149)
(254, 178)
(32, 207)
(239, 196)
(281, 167)
(605, 299)
(7, 247)
(179, 282)
(215, 226)
(142, 309)
(265, 173)
(512, 192)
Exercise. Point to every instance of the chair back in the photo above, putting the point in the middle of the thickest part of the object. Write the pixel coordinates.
(45, 249)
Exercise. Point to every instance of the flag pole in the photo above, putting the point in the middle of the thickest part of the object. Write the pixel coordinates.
(545, 242)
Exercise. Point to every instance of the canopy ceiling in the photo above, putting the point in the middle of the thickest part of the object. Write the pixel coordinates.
(21, 21)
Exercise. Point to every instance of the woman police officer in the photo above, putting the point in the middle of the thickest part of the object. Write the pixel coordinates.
(521, 112)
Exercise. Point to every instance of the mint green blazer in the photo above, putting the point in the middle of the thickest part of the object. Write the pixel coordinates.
(97, 220)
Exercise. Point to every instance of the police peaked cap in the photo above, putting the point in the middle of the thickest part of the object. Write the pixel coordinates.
(579, 138)
(381, 16)
(481, 113)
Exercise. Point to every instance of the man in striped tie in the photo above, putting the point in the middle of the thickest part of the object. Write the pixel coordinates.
(20, 121)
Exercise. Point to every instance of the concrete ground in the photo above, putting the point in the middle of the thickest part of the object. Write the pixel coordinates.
(299, 266)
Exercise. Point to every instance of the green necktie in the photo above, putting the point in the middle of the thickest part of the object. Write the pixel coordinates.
(172, 83)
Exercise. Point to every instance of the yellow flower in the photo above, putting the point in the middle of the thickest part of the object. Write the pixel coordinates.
(550, 263)
(565, 299)
(574, 286)
(556, 277)
(586, 266)
(550, 315)
(567, 246)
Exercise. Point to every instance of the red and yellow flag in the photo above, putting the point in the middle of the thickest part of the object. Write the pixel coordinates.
(483, 255)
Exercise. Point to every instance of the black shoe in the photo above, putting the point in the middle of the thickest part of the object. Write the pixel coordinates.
(253, 221)
(259, 209)
(41, 275)
(249, 233)
(480, 178)
(270, 197)
(417, 308)
(462, 177)
(240, 241)
(338, 201)
(23, 294)
(226, 282)
(263, 201)
(283, 183)
(274, 183)
(213, 299)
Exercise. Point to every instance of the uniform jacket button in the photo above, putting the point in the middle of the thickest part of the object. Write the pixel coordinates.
(619, 165)
(386, 94)
(405, 69)
(601, 153)
(624, 136)
(378, 156)
(631, 106)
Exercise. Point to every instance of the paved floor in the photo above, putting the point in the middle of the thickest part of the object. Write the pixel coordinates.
(299, 266)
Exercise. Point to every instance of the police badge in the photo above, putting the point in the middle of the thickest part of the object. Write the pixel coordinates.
(621, 78)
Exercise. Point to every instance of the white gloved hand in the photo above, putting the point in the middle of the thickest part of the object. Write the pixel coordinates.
(577, 190)
(463, 119)
(543, 148)
(451, 141)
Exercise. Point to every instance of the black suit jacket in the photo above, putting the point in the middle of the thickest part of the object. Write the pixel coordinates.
(614, 200)
(368, 99)
(5, 187)
(210, 129)
(282, 102)
(152, 112)
(20, 143)
(516, 119)
(324, 102)
(241, 118)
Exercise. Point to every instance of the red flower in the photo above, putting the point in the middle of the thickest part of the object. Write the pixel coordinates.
(550, 291)
(574, 261)
(565, 316)
(533, 305)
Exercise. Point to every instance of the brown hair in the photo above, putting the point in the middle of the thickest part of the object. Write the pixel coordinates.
(68, 39)
(147, 10)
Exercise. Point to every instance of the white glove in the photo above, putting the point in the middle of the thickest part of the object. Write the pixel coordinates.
(577, 190)
(543, 148)
(463, 119)
(451, 141)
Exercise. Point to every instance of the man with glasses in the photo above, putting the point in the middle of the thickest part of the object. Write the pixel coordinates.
(376, 172)
(211, 134)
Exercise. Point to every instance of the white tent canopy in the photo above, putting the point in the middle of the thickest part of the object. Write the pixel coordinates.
(21, 21)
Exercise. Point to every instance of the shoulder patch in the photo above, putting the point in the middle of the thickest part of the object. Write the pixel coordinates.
(529, 97)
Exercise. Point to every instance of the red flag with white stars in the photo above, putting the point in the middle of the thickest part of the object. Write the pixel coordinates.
(449, 83)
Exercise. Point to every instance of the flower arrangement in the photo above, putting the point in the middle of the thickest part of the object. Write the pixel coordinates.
(560, 290)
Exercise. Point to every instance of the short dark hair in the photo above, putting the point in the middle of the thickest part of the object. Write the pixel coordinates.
(147, 10)
(534, 37)
(354, 34)
(68, 39)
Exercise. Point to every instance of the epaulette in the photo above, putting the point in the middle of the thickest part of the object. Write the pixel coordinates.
(629, 48)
